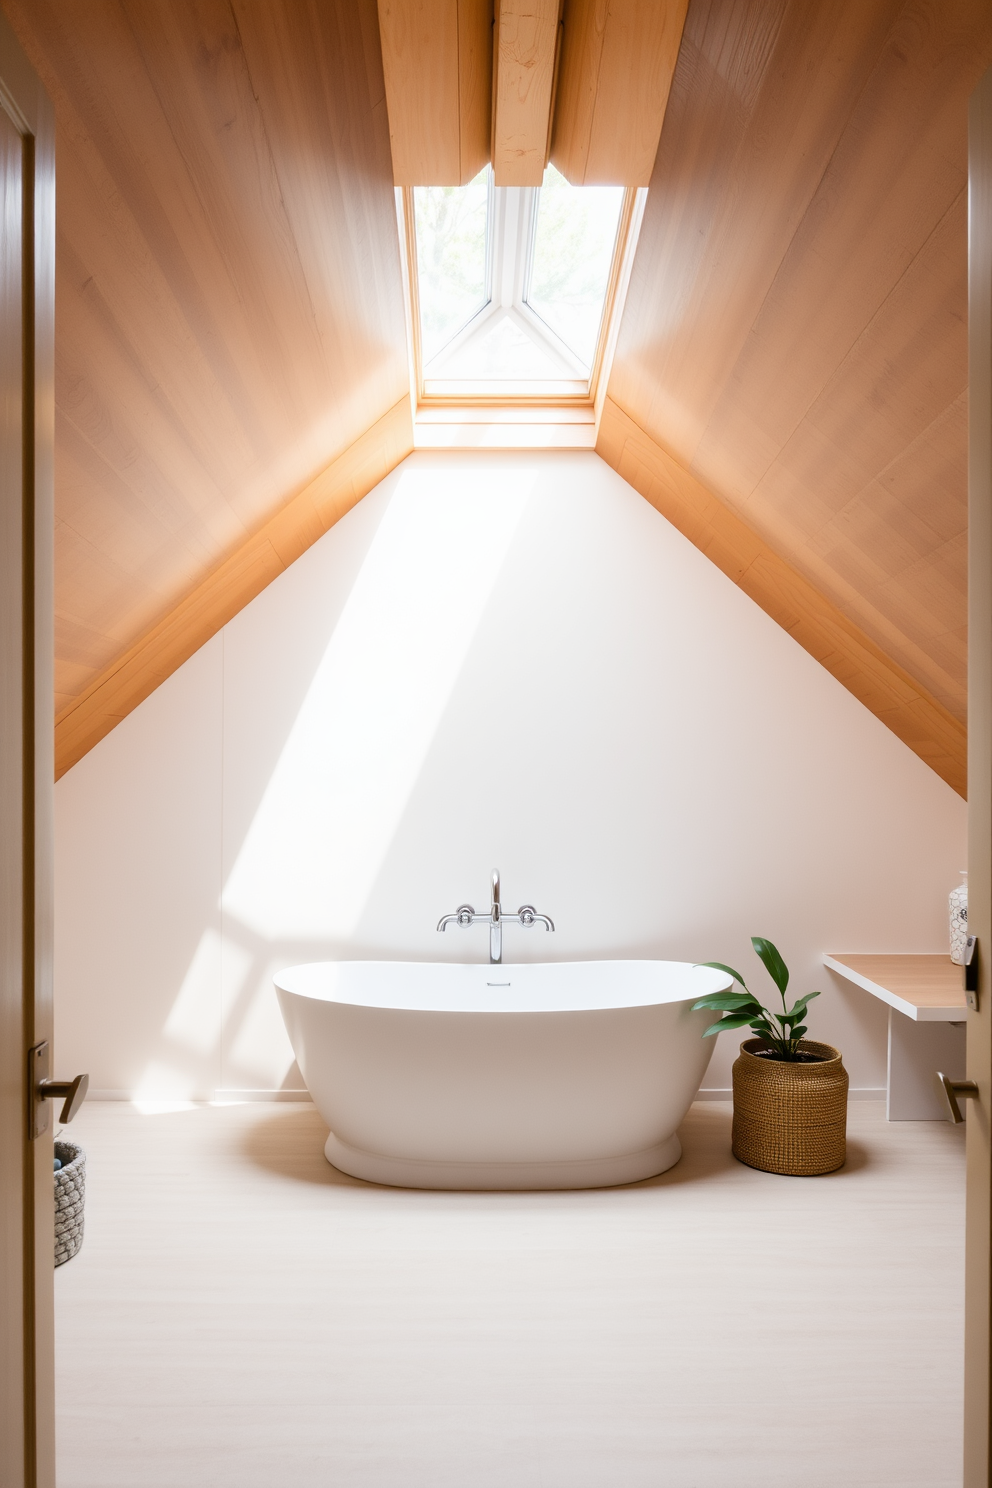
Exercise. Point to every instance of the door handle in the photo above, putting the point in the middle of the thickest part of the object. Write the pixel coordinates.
(971, 972)
(74, 1092)
(955, 1090)
(41, 1090)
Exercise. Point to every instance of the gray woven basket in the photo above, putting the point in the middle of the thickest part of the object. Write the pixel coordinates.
(70, 1193)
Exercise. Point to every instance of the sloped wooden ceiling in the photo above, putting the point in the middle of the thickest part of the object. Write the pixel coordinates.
(229, 296)
(790, 378)
(795, 329)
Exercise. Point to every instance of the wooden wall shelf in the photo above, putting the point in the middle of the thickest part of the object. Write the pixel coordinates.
(928, 989)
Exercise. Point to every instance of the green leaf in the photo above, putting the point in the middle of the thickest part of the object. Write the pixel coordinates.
(797, 1033)
(773, 963)
(799, 1008)
(763, 1020)
(736, 1020)
(719, 966)
(770, 1035)
(729, 1001)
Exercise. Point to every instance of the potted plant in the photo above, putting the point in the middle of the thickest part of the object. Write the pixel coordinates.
(790, 1093)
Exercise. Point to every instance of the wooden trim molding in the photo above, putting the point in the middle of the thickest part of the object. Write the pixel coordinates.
(820, 628)
(218, 598)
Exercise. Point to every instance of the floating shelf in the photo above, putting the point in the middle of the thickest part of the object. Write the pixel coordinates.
(928, 989)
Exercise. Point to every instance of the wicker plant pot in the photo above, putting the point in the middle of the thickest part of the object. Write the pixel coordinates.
(790, 1118)
(70, 1192)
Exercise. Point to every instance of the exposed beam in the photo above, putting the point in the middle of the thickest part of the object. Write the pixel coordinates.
(617, 61)
(225, 591)
(525, 43)
(847, 653)
(437, 65)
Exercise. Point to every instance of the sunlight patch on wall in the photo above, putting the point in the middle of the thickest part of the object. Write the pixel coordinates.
(194, 1019)
(339, 790)
(260, 1052)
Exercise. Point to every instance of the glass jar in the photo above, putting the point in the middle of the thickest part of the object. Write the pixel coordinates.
(958, 907)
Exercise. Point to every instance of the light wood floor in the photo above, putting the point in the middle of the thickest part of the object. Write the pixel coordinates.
(242, 1316)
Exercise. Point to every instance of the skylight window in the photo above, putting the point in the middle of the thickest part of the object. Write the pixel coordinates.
(570, 265)
(452, 258)
(513, 286)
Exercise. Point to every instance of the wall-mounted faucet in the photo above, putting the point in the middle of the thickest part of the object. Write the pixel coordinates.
(495, 919)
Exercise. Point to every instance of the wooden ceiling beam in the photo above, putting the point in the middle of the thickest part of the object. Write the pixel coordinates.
(437, 64)
(617, 62)
(525, 45)
(584, 81)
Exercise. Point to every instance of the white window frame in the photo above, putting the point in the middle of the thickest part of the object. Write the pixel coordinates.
(577, 388)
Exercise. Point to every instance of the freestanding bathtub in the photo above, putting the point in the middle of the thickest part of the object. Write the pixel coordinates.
(548, 1075)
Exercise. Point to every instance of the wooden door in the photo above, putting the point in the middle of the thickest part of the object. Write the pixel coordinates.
(27, 294)
(978, 1321)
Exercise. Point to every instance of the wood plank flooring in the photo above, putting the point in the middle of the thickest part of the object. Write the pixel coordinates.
(242, 1316)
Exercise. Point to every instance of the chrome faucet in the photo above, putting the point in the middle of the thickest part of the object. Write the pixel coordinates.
(495, 919)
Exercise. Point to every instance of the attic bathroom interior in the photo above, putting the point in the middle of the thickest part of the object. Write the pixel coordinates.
(502, 985)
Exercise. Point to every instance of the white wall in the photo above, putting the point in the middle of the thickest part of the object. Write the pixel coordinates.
(506, 662)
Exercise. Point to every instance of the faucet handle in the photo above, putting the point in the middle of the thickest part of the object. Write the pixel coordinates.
(528, 915)
(463, 915)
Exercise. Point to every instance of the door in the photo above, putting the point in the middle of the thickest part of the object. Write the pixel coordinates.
(978, 1335)
(27, 294)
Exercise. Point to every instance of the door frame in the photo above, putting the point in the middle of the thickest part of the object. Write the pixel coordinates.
(27, 1387)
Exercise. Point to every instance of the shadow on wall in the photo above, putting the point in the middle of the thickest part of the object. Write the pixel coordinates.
(506, 662)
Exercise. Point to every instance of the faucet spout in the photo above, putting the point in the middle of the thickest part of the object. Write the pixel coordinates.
(495, 925)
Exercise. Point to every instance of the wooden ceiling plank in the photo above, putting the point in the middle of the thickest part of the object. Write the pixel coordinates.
(897, 170)
(437, 66)
(798, 396)
(135, 433)
(617, 62)
(929, 476)
(135, 101)
(754, 117)
(853, 658)
(525, 40)
(342, 221)
(912, 646)
(229, 307)
(133, 676)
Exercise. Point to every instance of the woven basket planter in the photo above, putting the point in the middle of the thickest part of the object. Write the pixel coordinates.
(790, 1118)
(70, 1192)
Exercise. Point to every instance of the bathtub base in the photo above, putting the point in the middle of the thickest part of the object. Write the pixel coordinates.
(407, 1172)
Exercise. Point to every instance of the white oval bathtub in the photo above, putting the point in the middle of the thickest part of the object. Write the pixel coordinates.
(548, 1075)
